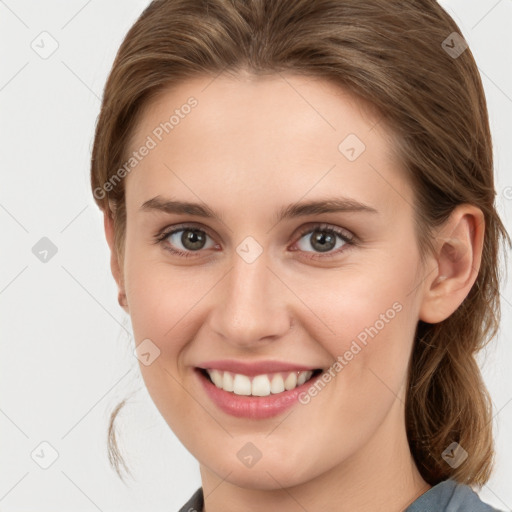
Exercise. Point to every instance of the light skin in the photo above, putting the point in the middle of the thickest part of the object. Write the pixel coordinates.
(251, 147)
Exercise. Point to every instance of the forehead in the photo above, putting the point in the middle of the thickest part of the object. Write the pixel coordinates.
(270, 136)
(260, 102)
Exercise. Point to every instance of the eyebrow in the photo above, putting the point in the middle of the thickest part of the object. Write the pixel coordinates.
(314, 207)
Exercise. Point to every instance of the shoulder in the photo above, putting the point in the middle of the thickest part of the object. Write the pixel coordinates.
(450, 496)
(446, 496)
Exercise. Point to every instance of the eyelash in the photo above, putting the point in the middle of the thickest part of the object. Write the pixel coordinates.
(350, 241)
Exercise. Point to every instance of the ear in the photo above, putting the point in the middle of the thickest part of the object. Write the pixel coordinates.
(117, 272)
(458, 254)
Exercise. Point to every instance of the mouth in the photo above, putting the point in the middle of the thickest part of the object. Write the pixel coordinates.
(262, 385)
(259, 395)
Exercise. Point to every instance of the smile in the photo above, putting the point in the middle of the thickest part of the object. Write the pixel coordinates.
(255, 390)
(259, 385)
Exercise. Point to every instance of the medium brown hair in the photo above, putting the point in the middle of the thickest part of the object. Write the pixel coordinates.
(390, 54)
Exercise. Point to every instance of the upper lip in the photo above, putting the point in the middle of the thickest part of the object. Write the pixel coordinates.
(254, 368)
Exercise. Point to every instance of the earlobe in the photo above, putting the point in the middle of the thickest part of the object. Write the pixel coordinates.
(108, 223)
(459, 245)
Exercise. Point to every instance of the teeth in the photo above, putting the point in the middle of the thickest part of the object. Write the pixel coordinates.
(260, 385)
(241, 385)
(277, 384)
(290, 382)
(301, 378)
(227, 382)
(217, 378)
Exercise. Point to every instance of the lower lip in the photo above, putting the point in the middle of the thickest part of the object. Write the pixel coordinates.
(254, 407)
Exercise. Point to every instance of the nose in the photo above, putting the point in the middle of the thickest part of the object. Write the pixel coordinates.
(251, 305)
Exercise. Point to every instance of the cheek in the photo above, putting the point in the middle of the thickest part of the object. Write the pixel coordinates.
(165, 307)
(372, 317)
(161, 306)
(160, 297)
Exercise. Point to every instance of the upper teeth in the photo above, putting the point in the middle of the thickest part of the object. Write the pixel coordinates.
(261, 385)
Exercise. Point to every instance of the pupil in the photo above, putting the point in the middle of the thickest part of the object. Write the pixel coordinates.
(321, 238)
(193, 238)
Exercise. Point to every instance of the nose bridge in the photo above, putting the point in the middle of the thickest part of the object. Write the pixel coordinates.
(251, 305)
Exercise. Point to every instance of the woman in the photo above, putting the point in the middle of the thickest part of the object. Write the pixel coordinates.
(299, 201)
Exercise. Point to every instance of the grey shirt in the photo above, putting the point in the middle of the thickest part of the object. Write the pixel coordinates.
(447, 496)
(450, 496)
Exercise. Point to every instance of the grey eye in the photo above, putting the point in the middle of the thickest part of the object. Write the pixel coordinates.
(192, 239)
(322, 240)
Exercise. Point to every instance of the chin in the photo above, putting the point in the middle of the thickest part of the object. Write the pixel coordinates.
(265, 475)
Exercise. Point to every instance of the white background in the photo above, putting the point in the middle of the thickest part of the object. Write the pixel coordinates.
(66, 347)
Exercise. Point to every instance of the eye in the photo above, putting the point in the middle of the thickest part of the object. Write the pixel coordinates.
(191, 238)
(324, 238)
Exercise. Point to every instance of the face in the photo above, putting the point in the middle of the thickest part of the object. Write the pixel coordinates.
(267, 288)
